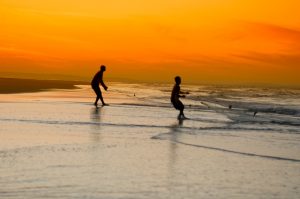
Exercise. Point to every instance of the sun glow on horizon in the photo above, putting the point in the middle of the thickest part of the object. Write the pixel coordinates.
(216, 41)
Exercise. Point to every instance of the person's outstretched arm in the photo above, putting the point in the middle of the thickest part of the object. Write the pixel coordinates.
(183, 96)
(184, 92)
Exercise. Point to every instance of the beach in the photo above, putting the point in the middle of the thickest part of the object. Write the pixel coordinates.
(56, 144)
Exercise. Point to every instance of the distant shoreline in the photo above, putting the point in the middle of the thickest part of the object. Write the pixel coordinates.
(15, 85)
(18, 85)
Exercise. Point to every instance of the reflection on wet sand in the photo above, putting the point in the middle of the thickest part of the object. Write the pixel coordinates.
(96, 116)
(175, 134)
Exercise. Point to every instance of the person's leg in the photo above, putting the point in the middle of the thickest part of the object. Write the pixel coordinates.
(98, 93)
(96, 102)
(181, 108)
(101, 98)
(181, 114)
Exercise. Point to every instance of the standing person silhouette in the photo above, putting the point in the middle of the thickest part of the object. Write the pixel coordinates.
(98, 79)
(175, 98)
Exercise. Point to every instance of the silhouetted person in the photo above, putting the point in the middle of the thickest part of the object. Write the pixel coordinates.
(175, 97)
(98, 79)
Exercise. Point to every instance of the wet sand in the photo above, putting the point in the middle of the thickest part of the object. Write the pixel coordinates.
(57, 145)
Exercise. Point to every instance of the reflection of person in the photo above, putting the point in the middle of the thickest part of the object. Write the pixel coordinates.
(98, 78)
(175, 97)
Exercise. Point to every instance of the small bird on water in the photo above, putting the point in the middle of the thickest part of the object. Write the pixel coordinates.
(254, 114)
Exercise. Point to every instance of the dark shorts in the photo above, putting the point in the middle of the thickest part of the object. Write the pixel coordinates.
(178, 105)
(97, 90)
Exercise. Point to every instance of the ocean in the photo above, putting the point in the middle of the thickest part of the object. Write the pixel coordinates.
(237, 142)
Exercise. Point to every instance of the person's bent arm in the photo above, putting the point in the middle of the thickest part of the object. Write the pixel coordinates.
(103, 85)
(184, 92)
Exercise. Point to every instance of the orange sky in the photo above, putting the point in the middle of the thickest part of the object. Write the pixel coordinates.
(212, 41)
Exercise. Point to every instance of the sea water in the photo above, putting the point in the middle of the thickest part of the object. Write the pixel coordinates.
(237, 142)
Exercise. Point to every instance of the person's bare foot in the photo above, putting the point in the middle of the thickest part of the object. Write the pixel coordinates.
(181, 117)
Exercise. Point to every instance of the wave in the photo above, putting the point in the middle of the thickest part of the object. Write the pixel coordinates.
(260, 107)
(278, 110)
(141, 105)
(225, 127)
(51, 122)
(247, 121)
(234, 152)
(249, 116)
(238, 120)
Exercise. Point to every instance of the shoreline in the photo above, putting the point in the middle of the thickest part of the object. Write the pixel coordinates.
(58, 144)
(15, 85)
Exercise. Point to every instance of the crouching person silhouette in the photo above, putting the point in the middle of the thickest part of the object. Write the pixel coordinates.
(98, 79)
(175, 98)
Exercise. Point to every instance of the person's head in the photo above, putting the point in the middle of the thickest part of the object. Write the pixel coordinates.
(102, 68)
(178, 80)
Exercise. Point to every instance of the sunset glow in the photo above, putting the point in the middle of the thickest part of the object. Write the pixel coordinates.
(213, 41)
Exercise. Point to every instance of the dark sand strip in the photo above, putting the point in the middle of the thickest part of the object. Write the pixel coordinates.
(13, 85)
